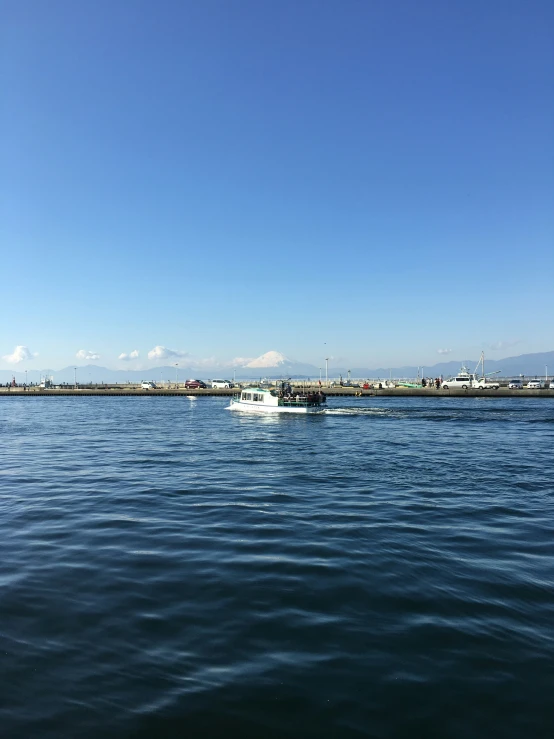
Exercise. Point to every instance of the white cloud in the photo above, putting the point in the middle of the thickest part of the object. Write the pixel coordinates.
(240, 361)
(162, 352)
(500, 345)
(129, 357)
(20, 354)
(444, 351)
(208, 362)
(84, 354)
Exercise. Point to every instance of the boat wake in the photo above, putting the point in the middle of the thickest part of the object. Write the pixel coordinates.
(358, 411)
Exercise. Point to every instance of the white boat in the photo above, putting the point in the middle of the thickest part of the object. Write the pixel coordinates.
(262, 400)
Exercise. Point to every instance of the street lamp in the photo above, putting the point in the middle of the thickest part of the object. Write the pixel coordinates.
(25, 378)
(320, 375)
(176, 372)
(326, 371)
(75, 376)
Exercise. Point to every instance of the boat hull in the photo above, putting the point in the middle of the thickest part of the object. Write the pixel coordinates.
(263, 409)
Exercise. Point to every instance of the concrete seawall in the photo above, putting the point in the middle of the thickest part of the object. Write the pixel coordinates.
(334, 392)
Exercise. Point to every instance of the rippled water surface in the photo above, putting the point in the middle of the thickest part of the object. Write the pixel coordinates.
(169, 568)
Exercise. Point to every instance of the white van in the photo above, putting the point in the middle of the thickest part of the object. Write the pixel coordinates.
(221, 384)
(463, 380)
(148, 385)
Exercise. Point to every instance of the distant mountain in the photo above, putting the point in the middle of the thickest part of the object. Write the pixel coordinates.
(524, 364)
(95, 374)
(269, 359)
(275, 365)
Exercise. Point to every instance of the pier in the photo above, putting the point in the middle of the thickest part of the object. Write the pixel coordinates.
(130, 391)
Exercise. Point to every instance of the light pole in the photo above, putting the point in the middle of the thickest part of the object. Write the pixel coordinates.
(326, 371)
(176, 372)
(545, 374)
(25, 378)
(75, 376)
(320, 375)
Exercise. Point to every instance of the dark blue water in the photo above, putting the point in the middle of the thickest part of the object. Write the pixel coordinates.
(168, 568)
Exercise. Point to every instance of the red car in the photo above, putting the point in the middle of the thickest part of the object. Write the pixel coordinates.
(194, 384)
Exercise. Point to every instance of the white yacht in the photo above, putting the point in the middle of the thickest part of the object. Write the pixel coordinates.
(262, 400)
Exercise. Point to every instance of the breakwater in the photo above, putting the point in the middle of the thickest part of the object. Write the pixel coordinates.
(342, 392)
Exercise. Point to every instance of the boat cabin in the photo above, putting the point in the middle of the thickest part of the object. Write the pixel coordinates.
(258, 395)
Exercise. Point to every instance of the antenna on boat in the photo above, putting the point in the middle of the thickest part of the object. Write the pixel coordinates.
(482, 363)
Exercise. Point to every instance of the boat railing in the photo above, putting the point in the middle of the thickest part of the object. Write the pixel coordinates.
(296, 401)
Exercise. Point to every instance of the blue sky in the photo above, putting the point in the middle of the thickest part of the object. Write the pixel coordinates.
(371, 181)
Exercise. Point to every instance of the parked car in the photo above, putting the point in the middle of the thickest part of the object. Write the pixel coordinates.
(534, 384)
(223, 384)
(515, 385)
(463, 380)
(148, 385)
(483, 384)
(195, 384)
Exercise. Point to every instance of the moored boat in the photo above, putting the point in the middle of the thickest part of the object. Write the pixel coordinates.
(263, 400)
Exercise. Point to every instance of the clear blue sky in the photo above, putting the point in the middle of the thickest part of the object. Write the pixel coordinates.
(225, 178)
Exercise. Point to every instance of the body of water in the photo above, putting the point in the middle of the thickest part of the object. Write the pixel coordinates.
(169, 568)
